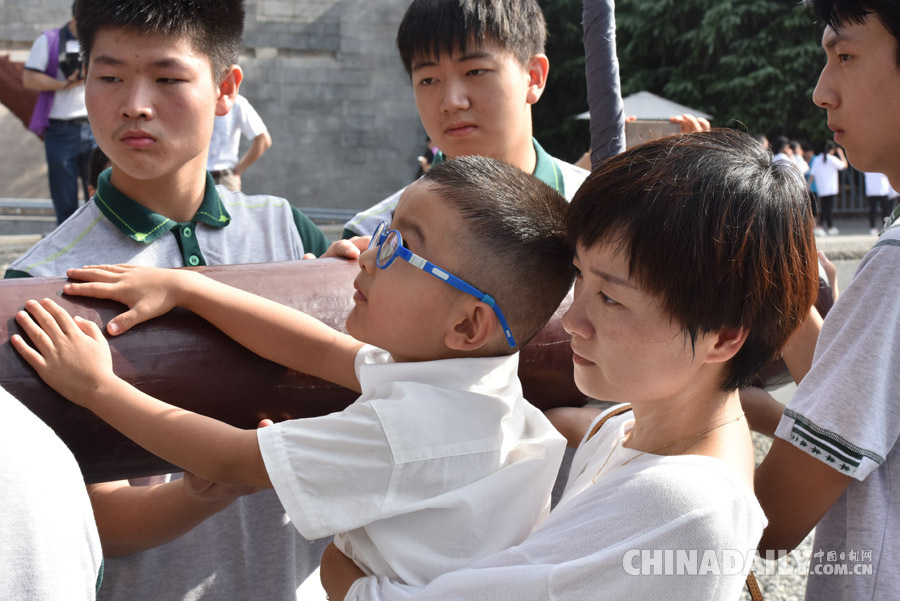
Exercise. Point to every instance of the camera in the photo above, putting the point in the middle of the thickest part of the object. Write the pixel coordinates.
(71, 62)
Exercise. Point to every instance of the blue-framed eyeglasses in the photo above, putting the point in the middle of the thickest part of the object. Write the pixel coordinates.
(390, 246)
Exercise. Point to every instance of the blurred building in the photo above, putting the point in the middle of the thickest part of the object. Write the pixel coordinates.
(326, 78)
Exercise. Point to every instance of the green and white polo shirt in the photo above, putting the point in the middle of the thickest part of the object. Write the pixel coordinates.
(228, 228)
(563, 177)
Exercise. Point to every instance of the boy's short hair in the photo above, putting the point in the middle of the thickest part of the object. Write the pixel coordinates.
(836, 13)
(432, 27)
(710, 225)
(215, 27)
(514, 245)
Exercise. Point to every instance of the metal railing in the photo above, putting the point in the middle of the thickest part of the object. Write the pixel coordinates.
(852, 196)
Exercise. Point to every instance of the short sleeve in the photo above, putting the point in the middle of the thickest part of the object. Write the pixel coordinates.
(314, 239)
(39, 56)
(331, 473)
(251, 123)
(844, 412)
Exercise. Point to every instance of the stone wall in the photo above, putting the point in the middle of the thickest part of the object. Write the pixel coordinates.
(326, 78)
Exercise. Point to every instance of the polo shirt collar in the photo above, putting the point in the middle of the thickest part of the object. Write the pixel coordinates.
(545, 168)
(143, 225)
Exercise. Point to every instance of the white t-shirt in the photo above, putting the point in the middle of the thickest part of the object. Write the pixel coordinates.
(877, 184)
(845, 413)
(594, 543)
(50, 548)
(227, 130)
(824, 170)
(67, 104)
(782, 158)
(436, 465)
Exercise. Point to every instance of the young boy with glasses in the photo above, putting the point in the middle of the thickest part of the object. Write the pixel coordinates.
(440, 462)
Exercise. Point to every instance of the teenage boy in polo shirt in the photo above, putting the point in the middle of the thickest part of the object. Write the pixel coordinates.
(833, 464)
(158, 74)
(476, 69)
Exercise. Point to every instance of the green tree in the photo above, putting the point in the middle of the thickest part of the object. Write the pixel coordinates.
(752, 64)
(566, 93)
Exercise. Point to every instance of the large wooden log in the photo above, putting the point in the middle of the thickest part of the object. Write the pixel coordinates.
(183, 360)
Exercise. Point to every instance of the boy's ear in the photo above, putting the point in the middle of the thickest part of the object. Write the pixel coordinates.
(727, 344)
(538, 67)
(474, 329)
(228, 90)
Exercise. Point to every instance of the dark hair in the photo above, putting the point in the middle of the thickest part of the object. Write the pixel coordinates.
(836, 13)
(715, 229)
(780, 143)
(97, 164)
(215, 27)
(763, 140)
(515, 244)
(432, 27)
(829, 147)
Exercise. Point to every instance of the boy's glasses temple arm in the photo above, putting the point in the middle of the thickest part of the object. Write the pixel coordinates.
(428, 267)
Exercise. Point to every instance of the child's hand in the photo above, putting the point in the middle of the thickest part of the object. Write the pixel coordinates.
(147, 291)
(208, 491)
(71, 355)
(344, 249)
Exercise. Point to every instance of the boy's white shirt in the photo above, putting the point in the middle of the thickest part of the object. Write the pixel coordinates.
(436, 465)
(608, 537)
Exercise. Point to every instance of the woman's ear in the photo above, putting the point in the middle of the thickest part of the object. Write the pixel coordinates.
(728, 341)
(474, 329)
(228, 90)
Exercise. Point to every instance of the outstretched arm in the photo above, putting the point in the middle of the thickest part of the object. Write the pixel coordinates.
(271, 330)
(136, 518)
(72, 356)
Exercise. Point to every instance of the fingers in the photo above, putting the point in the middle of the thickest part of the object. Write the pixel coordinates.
(308, 256)
(122, 322)
(361, 242)
(347, 249)
(94, 290)
(45, 323)
(94, 272)
(690, 124)
(264, 423)
(39, 324)
(31, 356)
(89, 328)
